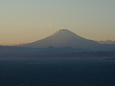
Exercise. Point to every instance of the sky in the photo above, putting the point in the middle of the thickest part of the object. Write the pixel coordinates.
(23, 21)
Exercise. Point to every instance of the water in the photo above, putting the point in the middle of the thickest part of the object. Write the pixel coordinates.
(57, 72)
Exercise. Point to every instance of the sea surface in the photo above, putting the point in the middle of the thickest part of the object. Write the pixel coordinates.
(57, 72)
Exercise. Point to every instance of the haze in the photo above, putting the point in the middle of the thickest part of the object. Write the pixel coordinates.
(31, 20)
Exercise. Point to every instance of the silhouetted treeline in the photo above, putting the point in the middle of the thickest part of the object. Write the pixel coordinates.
(64, 52)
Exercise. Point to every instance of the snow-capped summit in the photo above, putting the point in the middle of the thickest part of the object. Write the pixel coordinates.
(64, 34)
(62, 38)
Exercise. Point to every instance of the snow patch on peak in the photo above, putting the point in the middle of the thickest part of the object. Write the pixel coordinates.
(64, 33)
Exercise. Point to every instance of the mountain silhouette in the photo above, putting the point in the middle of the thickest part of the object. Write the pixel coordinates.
(106, 42)
(62, 38)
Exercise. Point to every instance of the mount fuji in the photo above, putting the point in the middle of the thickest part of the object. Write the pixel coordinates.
(62, 43)
(62, 38)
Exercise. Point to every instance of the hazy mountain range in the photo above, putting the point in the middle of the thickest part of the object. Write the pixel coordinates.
(62, 43)
(66, 38)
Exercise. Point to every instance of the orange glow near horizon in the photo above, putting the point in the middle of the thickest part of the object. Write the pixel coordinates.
(32, 20)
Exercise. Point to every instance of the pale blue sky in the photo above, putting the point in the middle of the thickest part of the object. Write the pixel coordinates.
(28, 20)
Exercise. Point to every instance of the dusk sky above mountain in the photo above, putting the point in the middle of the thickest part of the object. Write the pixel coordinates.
(32, 20)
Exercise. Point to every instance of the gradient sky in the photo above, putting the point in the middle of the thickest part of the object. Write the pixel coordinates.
(31, 20)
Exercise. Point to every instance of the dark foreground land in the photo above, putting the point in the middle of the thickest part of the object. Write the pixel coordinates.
(57, 72)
